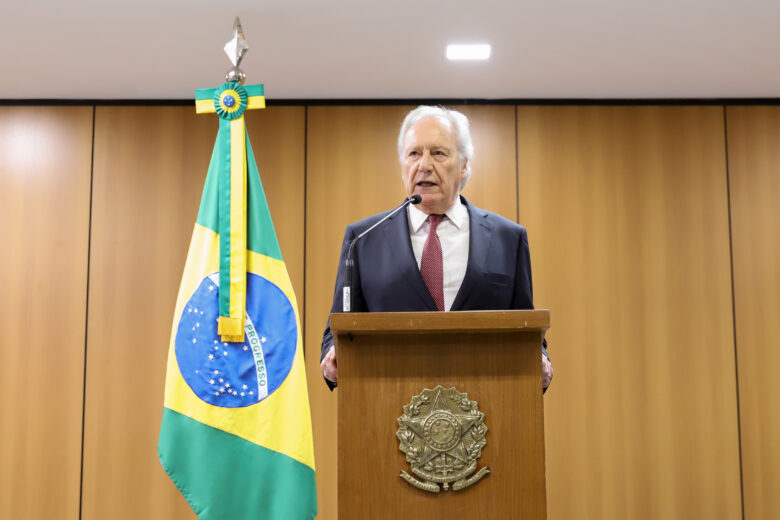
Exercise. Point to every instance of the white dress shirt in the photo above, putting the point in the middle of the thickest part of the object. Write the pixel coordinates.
(453, 233)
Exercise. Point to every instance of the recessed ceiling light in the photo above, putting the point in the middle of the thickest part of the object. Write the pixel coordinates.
(479, 51)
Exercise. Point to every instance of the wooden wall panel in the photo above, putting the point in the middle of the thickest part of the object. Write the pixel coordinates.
(353, 172)
(626, 209)
(754, 174)
(150, 164)
(627, 219)
(492, 185)
(278, 139)
(45, 162)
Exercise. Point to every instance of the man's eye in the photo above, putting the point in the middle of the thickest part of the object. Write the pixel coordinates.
(414, 153)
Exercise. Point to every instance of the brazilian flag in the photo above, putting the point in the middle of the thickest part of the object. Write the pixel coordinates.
(236, 430)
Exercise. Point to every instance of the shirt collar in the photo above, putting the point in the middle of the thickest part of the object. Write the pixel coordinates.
(458, 215)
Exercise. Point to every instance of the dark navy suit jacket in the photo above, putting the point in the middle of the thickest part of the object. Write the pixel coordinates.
(386, 277)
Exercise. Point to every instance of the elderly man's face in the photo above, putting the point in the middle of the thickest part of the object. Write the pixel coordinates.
(431, 165)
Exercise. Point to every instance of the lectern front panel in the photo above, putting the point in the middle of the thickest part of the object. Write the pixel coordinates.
(380, 372)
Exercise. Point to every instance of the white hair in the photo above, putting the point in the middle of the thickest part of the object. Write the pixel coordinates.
(454, 119)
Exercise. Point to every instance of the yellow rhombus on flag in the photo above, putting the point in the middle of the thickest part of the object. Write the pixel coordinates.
(236, 430)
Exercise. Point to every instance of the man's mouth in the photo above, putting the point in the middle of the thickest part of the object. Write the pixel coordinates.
(426, 184)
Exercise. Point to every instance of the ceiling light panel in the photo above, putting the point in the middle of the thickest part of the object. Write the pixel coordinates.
(457, 51)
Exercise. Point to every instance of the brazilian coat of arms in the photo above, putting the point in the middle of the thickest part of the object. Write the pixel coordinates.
(442, 433)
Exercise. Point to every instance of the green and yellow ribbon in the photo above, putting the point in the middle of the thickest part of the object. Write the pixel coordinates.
(230, 101)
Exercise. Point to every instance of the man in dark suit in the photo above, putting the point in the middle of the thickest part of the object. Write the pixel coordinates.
(444, 253)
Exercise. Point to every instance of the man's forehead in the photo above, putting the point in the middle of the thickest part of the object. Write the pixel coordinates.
(427, 128)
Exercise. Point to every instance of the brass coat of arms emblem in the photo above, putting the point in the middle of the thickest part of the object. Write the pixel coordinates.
(442, 433)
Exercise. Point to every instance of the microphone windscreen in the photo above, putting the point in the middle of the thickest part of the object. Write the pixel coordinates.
(415, 199)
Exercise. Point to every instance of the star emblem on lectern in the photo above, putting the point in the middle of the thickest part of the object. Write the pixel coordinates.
(442, 433)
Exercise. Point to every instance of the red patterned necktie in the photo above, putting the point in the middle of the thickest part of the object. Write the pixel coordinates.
(431, 263)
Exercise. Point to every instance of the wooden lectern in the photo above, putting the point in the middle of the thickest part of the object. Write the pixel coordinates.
(386, 358)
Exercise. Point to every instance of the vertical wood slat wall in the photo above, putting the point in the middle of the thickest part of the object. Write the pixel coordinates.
(147, 172)
(644, 424)
(754, 178)
(628, 217)
(45, 156)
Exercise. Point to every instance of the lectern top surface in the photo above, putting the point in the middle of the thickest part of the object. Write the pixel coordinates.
(455, 321)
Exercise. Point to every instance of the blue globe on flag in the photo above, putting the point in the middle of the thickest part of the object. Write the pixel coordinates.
(235, 375)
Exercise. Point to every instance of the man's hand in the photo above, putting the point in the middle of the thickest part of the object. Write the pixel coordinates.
(547, 369)
(331, 371)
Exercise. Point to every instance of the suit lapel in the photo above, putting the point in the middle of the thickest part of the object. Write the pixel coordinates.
(397, 235)
(480, 231)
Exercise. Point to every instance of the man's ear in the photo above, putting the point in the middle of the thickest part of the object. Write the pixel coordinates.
(463, 171)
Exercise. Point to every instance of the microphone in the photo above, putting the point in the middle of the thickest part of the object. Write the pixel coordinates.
(349, 264)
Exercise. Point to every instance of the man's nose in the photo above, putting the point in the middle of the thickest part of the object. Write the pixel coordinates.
(426, 161)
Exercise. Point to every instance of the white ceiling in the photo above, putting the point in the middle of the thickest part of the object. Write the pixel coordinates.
(332, 49)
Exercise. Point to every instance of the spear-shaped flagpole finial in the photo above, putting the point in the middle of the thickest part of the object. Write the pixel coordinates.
(235, 48)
